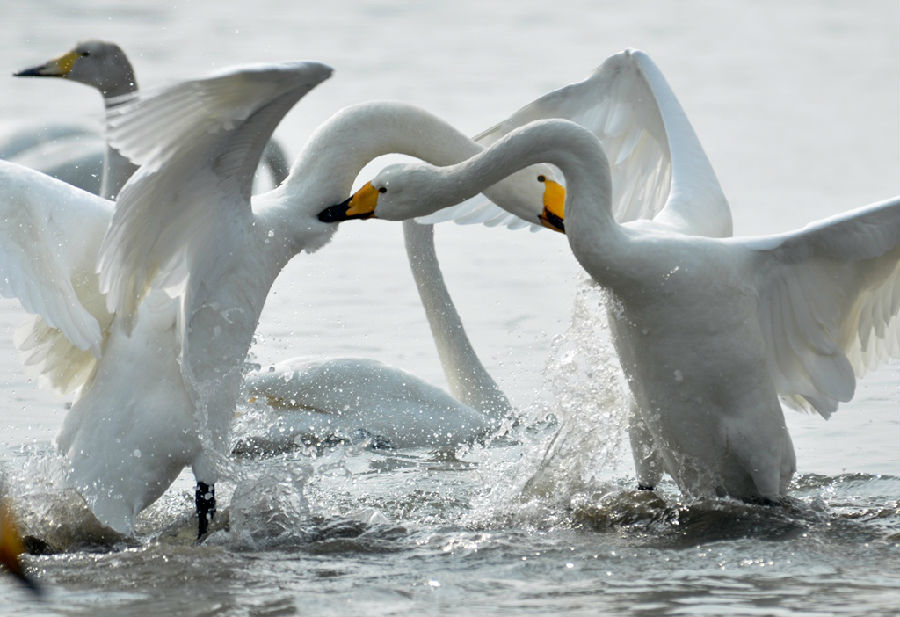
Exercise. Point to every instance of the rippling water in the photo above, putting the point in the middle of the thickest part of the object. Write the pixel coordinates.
(797, 106)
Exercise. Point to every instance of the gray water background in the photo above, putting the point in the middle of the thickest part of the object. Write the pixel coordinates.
(797, 107)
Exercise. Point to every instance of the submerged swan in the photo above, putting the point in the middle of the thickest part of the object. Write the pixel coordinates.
(356, 398)
(710, 331)
(75, 154)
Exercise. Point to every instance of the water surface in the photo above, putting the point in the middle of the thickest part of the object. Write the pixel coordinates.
(797, 107)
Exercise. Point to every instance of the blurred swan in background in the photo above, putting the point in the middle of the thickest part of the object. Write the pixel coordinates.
(75, 153)
(710, 332)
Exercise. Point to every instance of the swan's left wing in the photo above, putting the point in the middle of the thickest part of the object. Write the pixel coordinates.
(829, 297)
(199, 143)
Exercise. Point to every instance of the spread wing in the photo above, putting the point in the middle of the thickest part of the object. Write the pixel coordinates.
(49, 236)
(829, 303)
(655, 156)
(199, 143)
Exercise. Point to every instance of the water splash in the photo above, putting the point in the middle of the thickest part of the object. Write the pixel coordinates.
(588, 448)
(269, 507)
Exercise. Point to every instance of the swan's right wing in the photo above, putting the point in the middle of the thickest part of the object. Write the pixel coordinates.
(199, 143)
(829, 303)
(659, 169)
(49, 236)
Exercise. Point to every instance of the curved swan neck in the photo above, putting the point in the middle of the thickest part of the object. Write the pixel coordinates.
(560, 142)
(350, 139)
(467, 378)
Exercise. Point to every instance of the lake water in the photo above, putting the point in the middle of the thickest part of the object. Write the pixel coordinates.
(798, 108)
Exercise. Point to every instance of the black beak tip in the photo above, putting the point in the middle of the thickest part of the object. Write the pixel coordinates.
(548, 219)
(34, 72)
(334, 214)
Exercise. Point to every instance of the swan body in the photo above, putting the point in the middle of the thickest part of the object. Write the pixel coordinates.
(710, 330)
(348, 397)
(136, 421)
(78, 155)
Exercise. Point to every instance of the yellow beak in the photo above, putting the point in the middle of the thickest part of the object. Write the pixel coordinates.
(360, 205)
(554, 213)
(60, 67)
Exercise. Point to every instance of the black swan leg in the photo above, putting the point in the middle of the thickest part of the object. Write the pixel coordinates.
(205, 500)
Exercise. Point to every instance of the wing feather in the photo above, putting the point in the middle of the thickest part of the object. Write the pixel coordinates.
(655, 154)
(829, 303)
(49, 236)
(199, 144)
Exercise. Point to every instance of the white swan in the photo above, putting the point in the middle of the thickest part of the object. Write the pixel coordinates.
(75, 154)
(158, 378)
(134, 423)
(710, 331)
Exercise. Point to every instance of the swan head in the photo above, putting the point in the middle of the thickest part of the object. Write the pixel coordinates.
(100, 64)
(404, 191)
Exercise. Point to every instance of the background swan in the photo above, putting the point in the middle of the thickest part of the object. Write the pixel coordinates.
(710, 331)
(353, 399)
(76, 154)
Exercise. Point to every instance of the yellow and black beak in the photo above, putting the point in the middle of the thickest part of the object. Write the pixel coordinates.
(60, 67)
(11, 547)
(553, 215)
(360, 205)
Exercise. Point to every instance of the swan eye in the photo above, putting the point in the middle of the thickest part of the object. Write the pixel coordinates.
(383, 189)
(542, 178)
(85, 54)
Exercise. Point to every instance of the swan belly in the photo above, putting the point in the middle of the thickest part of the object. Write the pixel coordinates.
(695, 362)
(132, 430)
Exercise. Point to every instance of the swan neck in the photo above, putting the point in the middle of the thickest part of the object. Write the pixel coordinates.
(466, 376)
(350, 139)
(573, 149)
